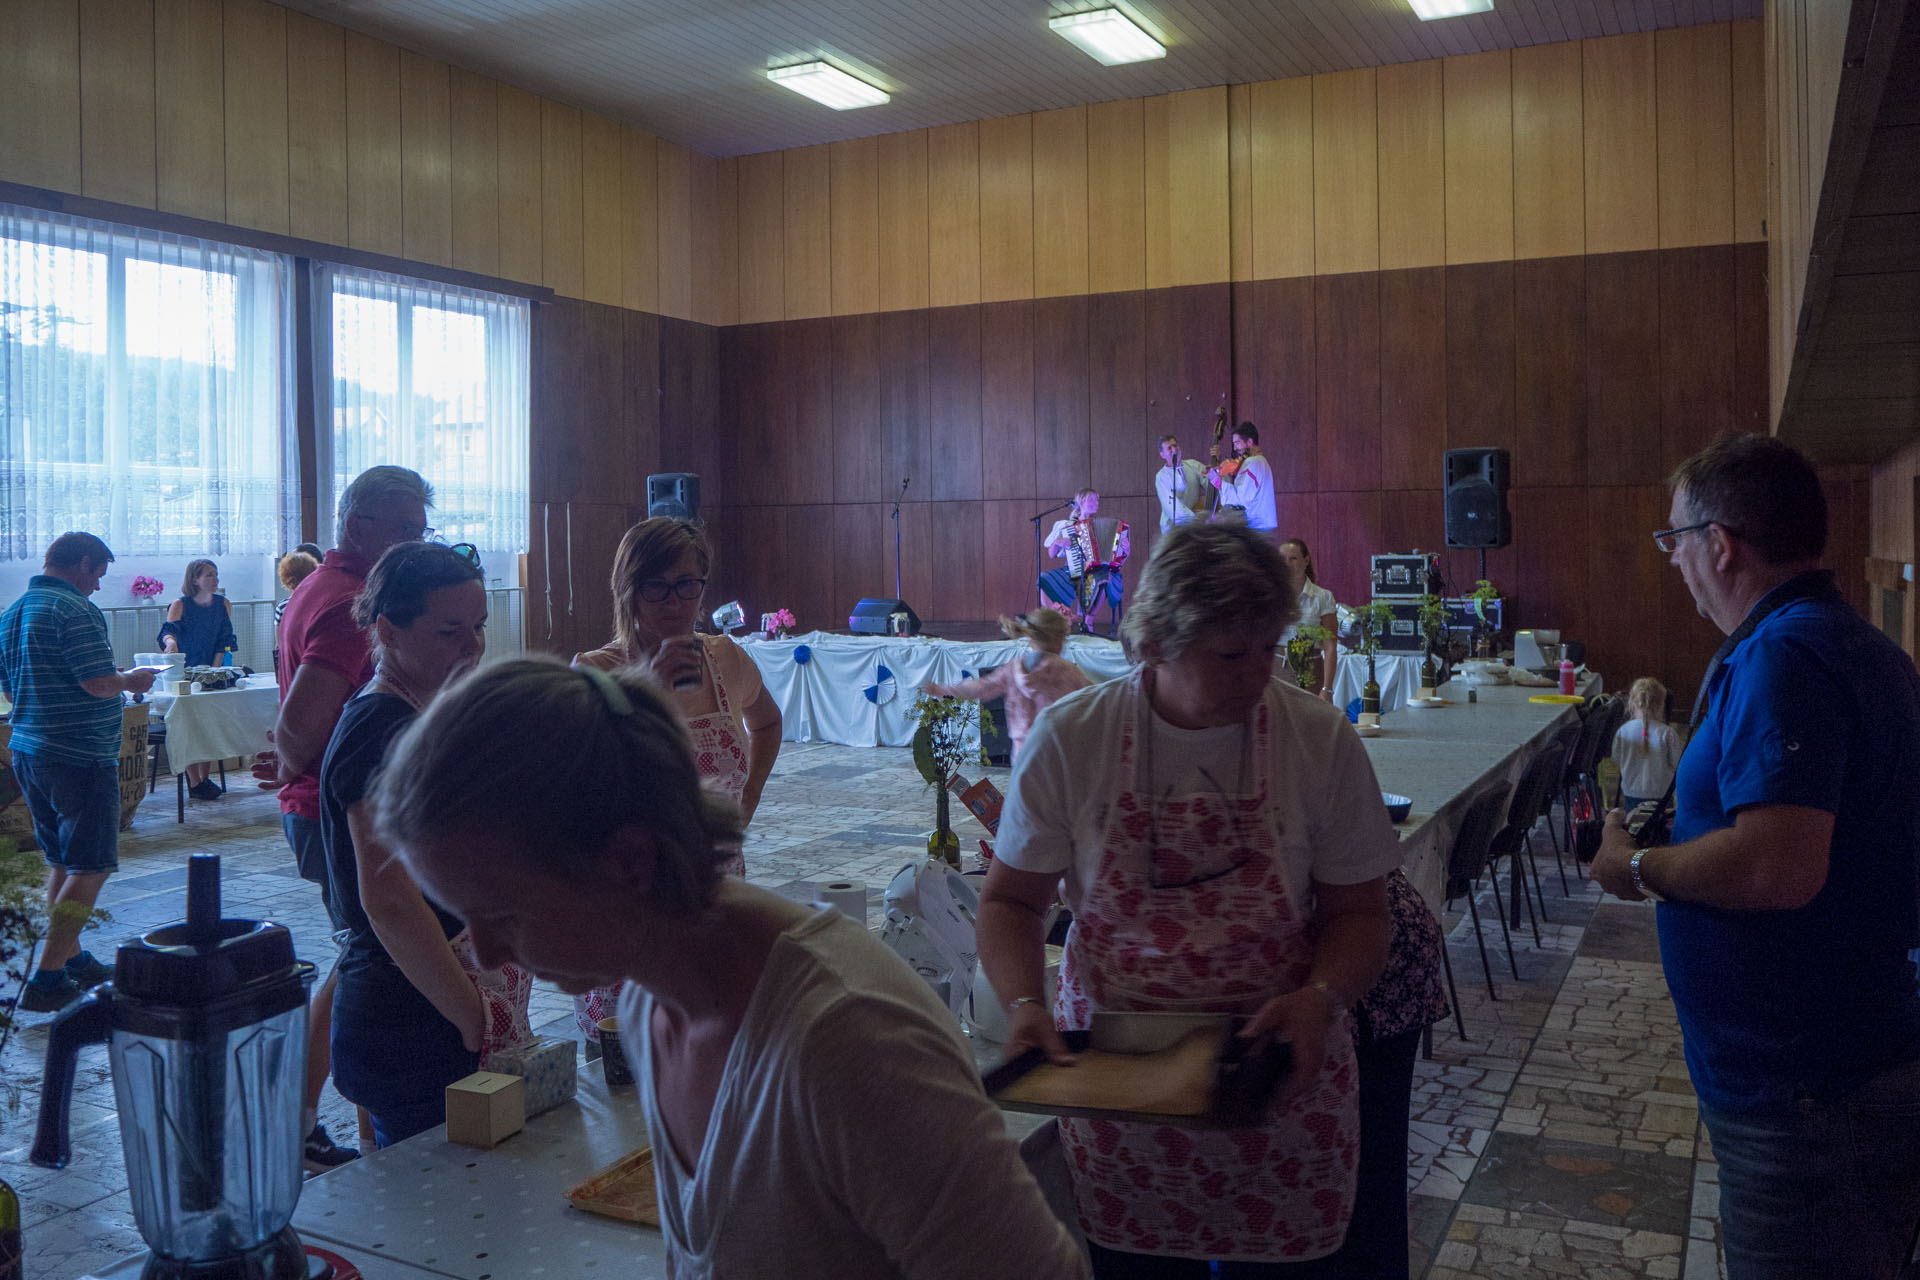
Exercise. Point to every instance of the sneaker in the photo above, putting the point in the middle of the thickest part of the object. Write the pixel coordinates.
(87, 971)
(205, 789)
(50, 997)
(322, 1153)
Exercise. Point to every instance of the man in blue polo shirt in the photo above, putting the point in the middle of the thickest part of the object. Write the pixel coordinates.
(56, 667)
(1789, 894)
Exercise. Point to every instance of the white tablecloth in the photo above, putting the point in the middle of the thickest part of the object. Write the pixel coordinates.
(1398, 673)
(857, 690)
(216, 726)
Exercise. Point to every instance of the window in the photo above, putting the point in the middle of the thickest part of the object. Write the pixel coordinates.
(144, 390)
(432, 377)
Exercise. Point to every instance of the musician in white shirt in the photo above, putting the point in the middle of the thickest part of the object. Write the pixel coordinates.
(1180, 485)
(1251, 488)
(1094, 551)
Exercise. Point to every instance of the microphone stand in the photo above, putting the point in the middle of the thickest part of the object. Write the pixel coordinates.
(896, 536)
(1039, 601)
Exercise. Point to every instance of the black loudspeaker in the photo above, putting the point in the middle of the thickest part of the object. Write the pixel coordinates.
(1476, 481)
(677, 493)
(870, 617)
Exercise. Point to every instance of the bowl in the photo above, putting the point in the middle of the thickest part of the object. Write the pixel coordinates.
(1398, 807)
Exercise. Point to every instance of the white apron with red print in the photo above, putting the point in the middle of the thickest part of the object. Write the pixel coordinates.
(720, 756)
(1278, 1192)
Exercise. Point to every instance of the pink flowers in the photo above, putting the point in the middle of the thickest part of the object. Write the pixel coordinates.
(777, 623)
(146, 588)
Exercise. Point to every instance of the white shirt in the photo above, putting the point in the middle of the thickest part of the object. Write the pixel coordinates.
(1647, 754)
(1321, 783)
(1182, 491)
(850, 1139)
(1316, 602)
(1253, 489)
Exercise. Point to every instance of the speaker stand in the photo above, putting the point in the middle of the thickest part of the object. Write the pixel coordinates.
(1483, 564)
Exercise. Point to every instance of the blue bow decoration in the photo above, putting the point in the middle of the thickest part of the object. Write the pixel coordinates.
(883, 688)
(802, 655)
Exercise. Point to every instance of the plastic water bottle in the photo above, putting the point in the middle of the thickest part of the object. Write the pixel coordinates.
(1566, 676)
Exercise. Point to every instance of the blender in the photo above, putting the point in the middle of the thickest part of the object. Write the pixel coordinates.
(206, 1023)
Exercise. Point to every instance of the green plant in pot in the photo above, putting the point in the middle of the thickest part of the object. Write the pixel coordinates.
(1303, 646)
(1483, 591)
(1373, 620)
(948, 736)
(1433, 624)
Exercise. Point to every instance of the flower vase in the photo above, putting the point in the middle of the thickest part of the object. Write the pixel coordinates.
(943, 845)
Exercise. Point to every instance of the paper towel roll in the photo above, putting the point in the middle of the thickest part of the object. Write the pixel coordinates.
(849, 897)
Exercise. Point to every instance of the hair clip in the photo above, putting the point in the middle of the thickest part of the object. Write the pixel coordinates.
(610, 691)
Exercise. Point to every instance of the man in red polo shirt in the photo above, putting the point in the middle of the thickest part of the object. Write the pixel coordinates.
(324, 657)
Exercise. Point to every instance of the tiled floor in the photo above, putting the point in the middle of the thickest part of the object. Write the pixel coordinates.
(1562, 1138)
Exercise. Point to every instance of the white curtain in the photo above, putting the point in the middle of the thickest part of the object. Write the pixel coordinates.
(432, 377)
(145, 390)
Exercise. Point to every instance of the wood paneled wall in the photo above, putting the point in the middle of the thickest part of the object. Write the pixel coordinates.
(242, 112)
(1627, 143)
(1600, 372)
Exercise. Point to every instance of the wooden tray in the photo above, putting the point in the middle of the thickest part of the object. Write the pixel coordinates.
(624, 1189)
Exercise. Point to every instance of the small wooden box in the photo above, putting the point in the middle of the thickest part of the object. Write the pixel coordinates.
(484, 1108)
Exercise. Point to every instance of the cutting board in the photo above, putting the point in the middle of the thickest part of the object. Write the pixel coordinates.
(624, 1189)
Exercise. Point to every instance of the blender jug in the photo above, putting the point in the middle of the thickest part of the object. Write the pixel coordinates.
(206, 1024)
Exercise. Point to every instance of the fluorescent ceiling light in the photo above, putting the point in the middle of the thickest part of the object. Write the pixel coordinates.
(828, 84)
(1428, 10)
(1109, 36)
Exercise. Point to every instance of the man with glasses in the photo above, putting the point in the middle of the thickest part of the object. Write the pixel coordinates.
(1789, 893)
(324, 656)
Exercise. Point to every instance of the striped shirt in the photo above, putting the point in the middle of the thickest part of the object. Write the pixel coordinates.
(51, 639)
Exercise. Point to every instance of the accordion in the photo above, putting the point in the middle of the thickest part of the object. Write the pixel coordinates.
(1094, 544)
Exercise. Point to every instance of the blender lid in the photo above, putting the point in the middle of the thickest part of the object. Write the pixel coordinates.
(206, 972)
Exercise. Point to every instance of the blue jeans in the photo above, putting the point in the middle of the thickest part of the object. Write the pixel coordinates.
(76, 812)
(1831, 1188)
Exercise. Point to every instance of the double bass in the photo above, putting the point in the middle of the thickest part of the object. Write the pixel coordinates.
(1224, 470)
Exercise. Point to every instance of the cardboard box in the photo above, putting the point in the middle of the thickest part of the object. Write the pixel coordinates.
(484, 1108)
(550, 1068)
(17, 823)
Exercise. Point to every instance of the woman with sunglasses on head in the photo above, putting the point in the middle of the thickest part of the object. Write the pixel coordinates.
(1224, 849)
(659, 576)
(407, 1020)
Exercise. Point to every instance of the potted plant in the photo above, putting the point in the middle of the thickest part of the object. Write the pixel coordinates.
(1433, 624)
(1483, 591)
(1302, 647)
(947, 738)
(1373, 620)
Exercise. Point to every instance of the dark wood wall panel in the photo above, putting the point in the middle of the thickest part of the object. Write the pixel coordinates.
(953, 342)
(1062, 445)
(1550, 568)
(556, 434)
(640, 390)
(572, 587)
(1413, 378)
(1298, 516)
(1696, 350)
(1006, 400)
(1751, 394)
(1347, 379)
(1348, 533)
(1119, 443)
(689, 403)
(906, 404)
(1274, 378)
(862, 553)
(859, 441)
(1007, 549)
(916, 555)
(1623, 369)
(760, 447)
(1625, 616)
(1189, 358)
(801, 572)
(1414, 519)
(803, 396)
(1550, 373)
(959, 578)
(1480, 356)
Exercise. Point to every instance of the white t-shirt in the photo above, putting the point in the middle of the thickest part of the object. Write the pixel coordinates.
(1334, 827)
(1646, 767)
(850, 1138)
(1253, 489)
(1182, 491)
(1316, 602)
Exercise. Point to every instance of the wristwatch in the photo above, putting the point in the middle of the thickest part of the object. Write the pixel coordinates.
(1640, 885)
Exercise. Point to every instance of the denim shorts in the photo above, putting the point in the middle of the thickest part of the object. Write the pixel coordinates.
(76, 812)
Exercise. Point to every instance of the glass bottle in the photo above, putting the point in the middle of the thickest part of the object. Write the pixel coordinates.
(12, 1262)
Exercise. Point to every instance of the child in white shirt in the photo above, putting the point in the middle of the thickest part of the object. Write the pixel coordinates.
(1646, 747)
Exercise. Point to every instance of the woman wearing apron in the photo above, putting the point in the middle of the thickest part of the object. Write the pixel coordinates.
(1220, 840)
(659, 577)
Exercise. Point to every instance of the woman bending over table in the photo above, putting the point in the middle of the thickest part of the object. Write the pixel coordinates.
(814, 1111)
(407, 1021)
(1224, 849)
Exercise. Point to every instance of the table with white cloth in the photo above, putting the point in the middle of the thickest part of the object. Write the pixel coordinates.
(858, 690)
(458, 1211)
(1440, 758)
(203, 726)
(1398, 674)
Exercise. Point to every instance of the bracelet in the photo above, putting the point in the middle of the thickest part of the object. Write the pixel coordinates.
(1640, 885)
(1017, 1001)
(1336, 1004)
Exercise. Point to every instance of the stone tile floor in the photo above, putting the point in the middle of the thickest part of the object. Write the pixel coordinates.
(1560, 1138)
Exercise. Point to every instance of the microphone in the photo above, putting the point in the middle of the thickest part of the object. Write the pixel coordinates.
(904, 483)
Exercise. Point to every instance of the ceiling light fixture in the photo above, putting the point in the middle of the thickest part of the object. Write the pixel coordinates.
(828, 84)
(1428, 10)
(1108, 36)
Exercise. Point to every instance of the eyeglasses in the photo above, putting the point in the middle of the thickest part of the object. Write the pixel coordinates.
(468, 552)
(655, 590)
(1668, 540)
(1174, 869)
